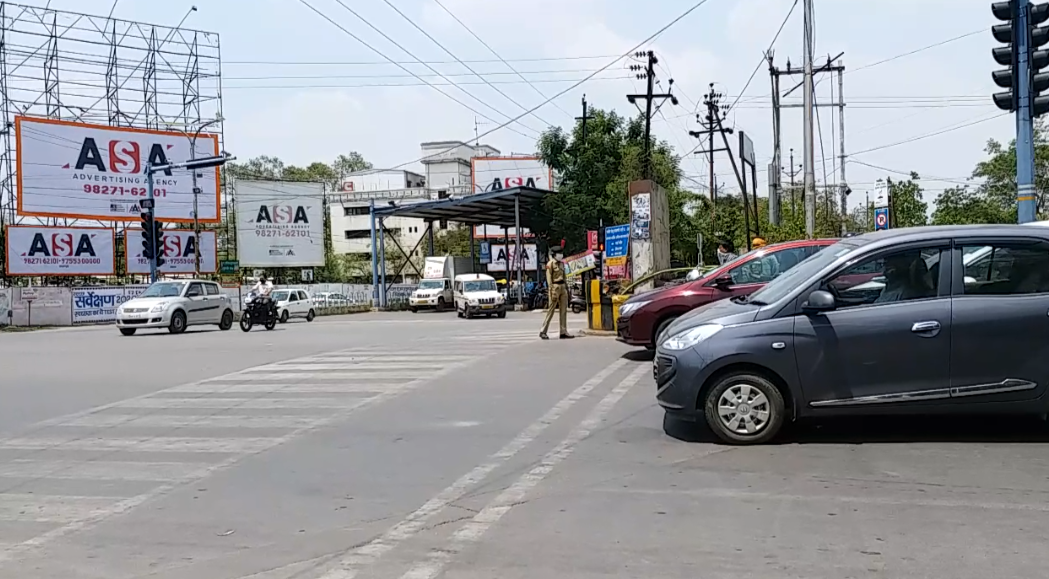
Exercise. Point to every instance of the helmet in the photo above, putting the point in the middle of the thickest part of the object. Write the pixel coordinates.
(758, 242)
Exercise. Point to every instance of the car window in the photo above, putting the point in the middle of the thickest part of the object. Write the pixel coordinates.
(888, 278)
(280, 296)
(767, 267)
(194, 290)
(212, 289)
(1006, 269)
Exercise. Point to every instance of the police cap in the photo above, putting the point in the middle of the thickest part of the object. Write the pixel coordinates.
(556, 249)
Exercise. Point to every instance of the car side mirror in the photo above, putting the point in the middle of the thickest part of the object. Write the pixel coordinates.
(820, 301)
(723, 281)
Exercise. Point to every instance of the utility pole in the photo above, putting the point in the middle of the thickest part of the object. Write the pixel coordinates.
(775, 188)
(586, 116)
(845, 190)
(711, 124)
(809, 161)
(648, 73)
(793, 173)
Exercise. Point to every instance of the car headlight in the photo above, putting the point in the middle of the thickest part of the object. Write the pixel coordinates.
(158, 308)
(627, 309)
(472, 302)
(499, 299)
(691, 337)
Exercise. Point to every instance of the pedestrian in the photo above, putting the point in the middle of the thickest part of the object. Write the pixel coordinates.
(758, 243)
(555, 279)
(726, 251)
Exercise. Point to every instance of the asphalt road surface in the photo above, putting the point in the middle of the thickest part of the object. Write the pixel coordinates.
(415, 447)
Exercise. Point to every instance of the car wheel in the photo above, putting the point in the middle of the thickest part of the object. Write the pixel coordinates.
(284, 317)
(310, 316)
(440, 304)
(414, 309)
(659, 329)
(576, 309)
(459, 313)
(227, 320)
(127, 331)
(178, 323)
(744, 408)
(502, 314)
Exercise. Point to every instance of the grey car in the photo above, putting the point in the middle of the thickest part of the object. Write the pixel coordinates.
(925, 320)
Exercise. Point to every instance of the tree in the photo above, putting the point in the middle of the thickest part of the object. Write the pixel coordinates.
(964, 205)
(908, 207)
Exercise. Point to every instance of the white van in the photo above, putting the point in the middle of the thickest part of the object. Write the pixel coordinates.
(477, 294)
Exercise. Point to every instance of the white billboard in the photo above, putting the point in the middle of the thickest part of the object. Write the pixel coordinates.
(496, 173)
(280, 224)
(500, 255)
(38, 250)
(81, 171)
(179, 252)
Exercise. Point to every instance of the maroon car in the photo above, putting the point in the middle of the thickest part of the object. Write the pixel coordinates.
(644, 316)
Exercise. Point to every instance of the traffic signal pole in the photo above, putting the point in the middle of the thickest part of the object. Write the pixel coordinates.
(1026, 206)
(152, 220)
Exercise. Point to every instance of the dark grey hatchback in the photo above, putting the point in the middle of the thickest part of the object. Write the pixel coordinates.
(923, 320)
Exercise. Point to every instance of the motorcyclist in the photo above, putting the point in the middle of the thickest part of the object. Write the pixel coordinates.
(261, 290)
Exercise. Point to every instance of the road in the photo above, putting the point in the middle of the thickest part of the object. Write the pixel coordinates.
(413, 447)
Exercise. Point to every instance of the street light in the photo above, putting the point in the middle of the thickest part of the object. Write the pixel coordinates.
(196, 190)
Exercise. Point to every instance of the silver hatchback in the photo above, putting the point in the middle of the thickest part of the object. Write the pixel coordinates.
(176, 305)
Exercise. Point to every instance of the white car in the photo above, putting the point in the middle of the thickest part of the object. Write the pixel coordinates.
(477, 294)
(293, 303)
(176, 305)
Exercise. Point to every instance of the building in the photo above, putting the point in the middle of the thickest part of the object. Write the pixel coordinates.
(447, 165)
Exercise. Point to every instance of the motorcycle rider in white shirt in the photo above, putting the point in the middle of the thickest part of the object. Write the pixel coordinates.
(263, 287)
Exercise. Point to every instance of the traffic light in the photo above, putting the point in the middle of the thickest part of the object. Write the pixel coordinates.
(152, 238)
(158, 236)
(148, 236)
(1035, 37)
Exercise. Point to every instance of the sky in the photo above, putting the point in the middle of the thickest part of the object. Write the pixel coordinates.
(929, 111)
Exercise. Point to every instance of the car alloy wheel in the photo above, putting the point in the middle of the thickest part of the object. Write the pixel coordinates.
(178, 323)
(744, 408)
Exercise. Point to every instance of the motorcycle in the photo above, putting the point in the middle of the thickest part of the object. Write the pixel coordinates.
(577, 302)
(258, 312)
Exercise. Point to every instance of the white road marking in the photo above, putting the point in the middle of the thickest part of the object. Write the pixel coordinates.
(100, 470)
(352, 564)
(194, 421)
(369, 365)
(51, 509)
(249, 403)
(475, 529)
(278, 376)
(297, 388)
(145, 444)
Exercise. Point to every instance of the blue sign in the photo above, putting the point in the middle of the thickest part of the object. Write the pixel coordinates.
(486, 252)
(617, 241)
(881, 218)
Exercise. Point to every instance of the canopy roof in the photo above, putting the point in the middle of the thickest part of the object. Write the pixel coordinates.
(491, 208)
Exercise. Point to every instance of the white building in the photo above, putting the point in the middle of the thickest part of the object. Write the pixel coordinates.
(447, 168)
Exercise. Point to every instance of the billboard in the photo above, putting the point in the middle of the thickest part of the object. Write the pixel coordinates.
(280, 224)
(179, 252)
(39, 250)
(81, 171)
(500, 253)
(496, 173)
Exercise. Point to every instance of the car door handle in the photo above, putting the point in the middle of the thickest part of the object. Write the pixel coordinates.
(920, 327)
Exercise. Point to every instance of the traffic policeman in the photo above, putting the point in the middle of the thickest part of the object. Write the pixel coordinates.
(555, 280)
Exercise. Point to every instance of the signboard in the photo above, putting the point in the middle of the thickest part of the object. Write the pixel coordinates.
(617, 245)
(486, 252)
(746, 149)
(592, 241)
(82, 171)
(38, 250)
(500, 254)
(179, 252)
(580, 262)
(881, 218)
(280, 224)
(229, 266)
(498, 173)
(99, 304)
(640, 216)
(29, 294)
(388, 194)
(615, 272)
(306, 275)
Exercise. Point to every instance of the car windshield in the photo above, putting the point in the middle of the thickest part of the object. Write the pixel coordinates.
(431, 284)
(788, 280)
(165, 289)
(280, 296)
(484, 285)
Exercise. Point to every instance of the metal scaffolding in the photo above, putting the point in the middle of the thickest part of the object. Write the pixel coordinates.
(94, 69)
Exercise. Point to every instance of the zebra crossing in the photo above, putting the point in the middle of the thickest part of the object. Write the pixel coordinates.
(69, 473)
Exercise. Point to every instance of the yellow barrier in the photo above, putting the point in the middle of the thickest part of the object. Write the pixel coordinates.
(617, 300)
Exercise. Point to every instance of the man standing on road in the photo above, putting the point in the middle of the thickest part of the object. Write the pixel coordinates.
(555, 280)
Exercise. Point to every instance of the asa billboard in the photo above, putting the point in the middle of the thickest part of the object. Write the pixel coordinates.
(280, 224)
(83, 171)
(179, 252)
(39, 250)
(497, 173)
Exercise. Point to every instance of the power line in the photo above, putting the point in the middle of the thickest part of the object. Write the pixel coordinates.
(401, 66)
(468, 67)
(411, 84)
(387, 62)
(574, 86)
(444, 75)
(933, 134)
(765, 56)
(496, 54)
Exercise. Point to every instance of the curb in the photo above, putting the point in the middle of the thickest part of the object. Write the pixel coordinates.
(598, 333)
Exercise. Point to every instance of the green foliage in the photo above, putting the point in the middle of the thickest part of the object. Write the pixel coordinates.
(908, 207)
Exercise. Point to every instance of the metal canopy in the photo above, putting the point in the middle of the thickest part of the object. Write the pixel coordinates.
(492, 208)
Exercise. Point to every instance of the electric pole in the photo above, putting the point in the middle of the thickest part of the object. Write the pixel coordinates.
(711, 124)
(793, 173)
(586, 116)
(809, 160)
(647, 72)
(775, 170)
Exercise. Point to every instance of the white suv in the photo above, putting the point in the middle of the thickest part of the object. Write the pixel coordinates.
(176, 305)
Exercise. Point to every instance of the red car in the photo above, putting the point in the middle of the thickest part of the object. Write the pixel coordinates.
(644, 316)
